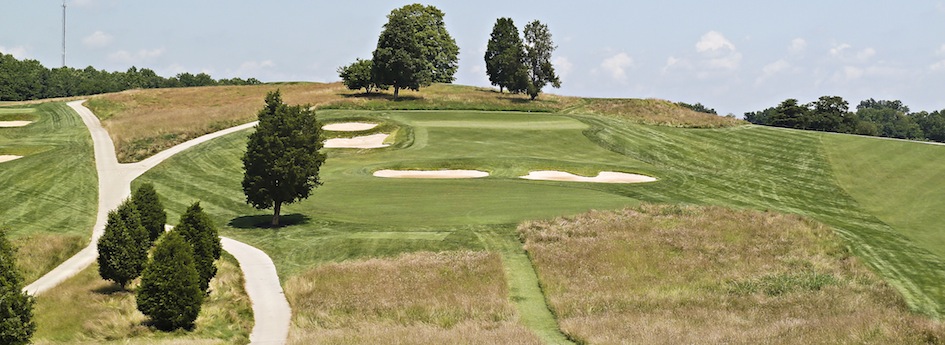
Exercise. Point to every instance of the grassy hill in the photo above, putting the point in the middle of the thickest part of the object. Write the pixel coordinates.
(357, 216)
(144, 122)
(356, 223)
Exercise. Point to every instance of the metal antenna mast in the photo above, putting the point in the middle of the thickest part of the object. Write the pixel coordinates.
(63, 33)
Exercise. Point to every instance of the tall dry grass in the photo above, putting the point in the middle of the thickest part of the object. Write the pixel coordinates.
(710, 275)
(144, 122)
(89, 310)
(420, 298)
(39, 253)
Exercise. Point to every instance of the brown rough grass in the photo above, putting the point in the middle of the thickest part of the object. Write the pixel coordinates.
(88, 310)
(420, 298)
(39, 253)
(709, 275)
(144, 122)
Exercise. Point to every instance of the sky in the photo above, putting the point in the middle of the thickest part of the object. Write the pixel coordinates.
(734, 56)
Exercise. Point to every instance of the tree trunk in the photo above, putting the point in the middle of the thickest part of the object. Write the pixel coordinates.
(500, 89)
(275, 216)
(396, 92)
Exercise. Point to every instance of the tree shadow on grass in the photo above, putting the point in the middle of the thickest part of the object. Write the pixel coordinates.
(516, 99)
(264, 221)
(110, 289)
(381, 96)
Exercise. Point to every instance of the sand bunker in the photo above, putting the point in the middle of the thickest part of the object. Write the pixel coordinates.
(14, 123)
(602, 177)
(365, 142)
(7, 158)
(431, 173)
(349, 126)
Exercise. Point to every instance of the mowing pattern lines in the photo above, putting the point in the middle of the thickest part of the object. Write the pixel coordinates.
(115, 186)
(769, 168)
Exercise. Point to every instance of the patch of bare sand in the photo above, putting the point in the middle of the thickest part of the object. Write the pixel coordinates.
(366, 142)
(602, 177)
(7, 158)
(349, 126)
(14, 123)
(432, 174)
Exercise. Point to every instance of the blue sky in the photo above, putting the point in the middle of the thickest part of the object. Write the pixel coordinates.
(734, 56)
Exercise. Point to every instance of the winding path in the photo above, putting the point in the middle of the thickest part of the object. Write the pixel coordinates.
(271, 311)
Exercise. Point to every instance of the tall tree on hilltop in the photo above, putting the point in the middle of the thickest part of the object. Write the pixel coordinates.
(538, 48)
(16, 307)
(414, 49)
(123, 248)
(150, 210)
(505, 57)
(197, 228)
(282, 157)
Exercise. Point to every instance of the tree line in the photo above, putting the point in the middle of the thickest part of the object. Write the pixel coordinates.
(415, 50)
(22, 80)
(884, 118)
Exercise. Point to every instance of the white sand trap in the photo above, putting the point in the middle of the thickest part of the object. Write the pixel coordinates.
(7, 158)
(365, 142)
(14, 123)
(602, 177)
(349, 126)
(444, 174)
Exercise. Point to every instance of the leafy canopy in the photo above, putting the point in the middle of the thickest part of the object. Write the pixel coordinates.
(505, 57)
(414, 49)
(16, 307)
(538, 47)
(282, 157)
(170, 293)
(123, 248)
(198, 230)
(150, 209)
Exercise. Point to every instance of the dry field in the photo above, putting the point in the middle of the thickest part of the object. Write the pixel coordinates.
(421, 298)
(89, 310)
(144, 122)
(40, 253)
(710, 275)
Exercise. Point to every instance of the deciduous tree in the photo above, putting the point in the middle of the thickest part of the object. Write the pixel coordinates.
(538, 49)
(358, 75)
(170, 293)
(282, 157)
(505, 57)
(414, 49)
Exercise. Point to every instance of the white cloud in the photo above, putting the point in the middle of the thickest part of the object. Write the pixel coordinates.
(865, 54)
(97, 39)
(798, 45)
(773, 69)
(718, 52)
(123, 56)
(617, 66)
(713, 41)
(938, 66)
(941, 50)
(837, 51)
(843, 52)
(562, 66)
(19, 52)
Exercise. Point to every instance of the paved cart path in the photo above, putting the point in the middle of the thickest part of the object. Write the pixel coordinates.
(271, 311)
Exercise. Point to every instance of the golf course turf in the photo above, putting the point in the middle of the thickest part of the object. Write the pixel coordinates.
(355, 215)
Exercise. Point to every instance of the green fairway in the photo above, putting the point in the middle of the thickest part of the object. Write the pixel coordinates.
(50, 195)
(898, 181)
(743, 167)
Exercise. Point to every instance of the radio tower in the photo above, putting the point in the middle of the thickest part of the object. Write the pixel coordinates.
(63, 33)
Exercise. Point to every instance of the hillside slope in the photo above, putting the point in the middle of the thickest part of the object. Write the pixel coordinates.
(143, 122)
